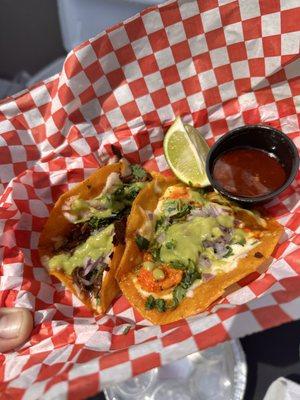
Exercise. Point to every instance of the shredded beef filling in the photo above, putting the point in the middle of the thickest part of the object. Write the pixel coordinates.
(131, 178)
(78, 234)
(89, 278)
(120, 230)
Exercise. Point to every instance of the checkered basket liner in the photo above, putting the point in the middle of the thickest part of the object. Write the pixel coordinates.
(218, 64)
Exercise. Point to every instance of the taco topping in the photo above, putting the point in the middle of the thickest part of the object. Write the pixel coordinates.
(98, 224)
(193, 240)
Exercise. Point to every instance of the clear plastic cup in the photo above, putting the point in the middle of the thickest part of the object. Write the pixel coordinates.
(218, 373)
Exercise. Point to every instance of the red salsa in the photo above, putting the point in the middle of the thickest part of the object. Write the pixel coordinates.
(248, 172)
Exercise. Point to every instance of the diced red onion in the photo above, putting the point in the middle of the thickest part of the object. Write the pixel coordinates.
(204, 261)
(161, 238)
(206, 276)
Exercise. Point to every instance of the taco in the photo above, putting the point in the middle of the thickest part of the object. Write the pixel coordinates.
(185, 247)
(84, 237)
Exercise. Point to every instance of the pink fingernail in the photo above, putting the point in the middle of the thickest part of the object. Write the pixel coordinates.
(10, 325)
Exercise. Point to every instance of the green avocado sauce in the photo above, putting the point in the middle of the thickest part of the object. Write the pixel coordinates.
(106, 205)
(188, 237)
(97, 245)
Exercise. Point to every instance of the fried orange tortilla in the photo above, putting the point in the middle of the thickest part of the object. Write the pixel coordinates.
(57, 225)
(207, 292)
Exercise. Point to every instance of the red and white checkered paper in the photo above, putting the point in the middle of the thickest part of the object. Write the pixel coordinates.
(217, 64)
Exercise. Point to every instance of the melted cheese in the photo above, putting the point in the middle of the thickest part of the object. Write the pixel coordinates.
(228, 264)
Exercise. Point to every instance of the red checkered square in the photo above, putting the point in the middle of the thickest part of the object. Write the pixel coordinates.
(267, 7)
(65, 94)
(223, 74)
(115, 78)
(211, 97)
(170, 75)
(142, 364)
(125, 55)
(242, 85)
(72, 66)
(181, 51)
(271, 316)
(237, 52)
(193, 26)
(202, 63)
(88, 95)
(19, 122)
(135, 29)
(159, 40)
(289, 20)
(219, 127)
(26, 102)
(252, 28)
(160, 98)
(138, 88)
(148, 64)
(207, 339)
(94, 72)
(170, 14)
(215, 39)
(101, 46)
(191, 85)
(257, 67)
(230, 13)
(130, 111)
(272, 46)
(207, 5)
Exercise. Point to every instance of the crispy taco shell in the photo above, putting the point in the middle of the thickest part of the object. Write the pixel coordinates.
(206, 293)
(57, 225)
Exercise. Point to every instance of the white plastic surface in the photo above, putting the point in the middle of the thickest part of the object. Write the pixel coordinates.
(283, 389)
(83, 19)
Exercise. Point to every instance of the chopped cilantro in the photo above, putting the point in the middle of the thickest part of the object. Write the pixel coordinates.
(229, 252)
(118, 194)
(178, 265)
(160, 305)
(185, 209)
(138, 172)
(155, 252)
(171, 244)
(171, 206)
(150, 303)
(176, 209)
(242, 242)
(180, 290)
(142, 243)
(132, 192)
(191, 266)
(97, 223)
(179, 293)
(160, 223)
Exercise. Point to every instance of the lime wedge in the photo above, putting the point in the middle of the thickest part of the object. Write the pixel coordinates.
(186, 151)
